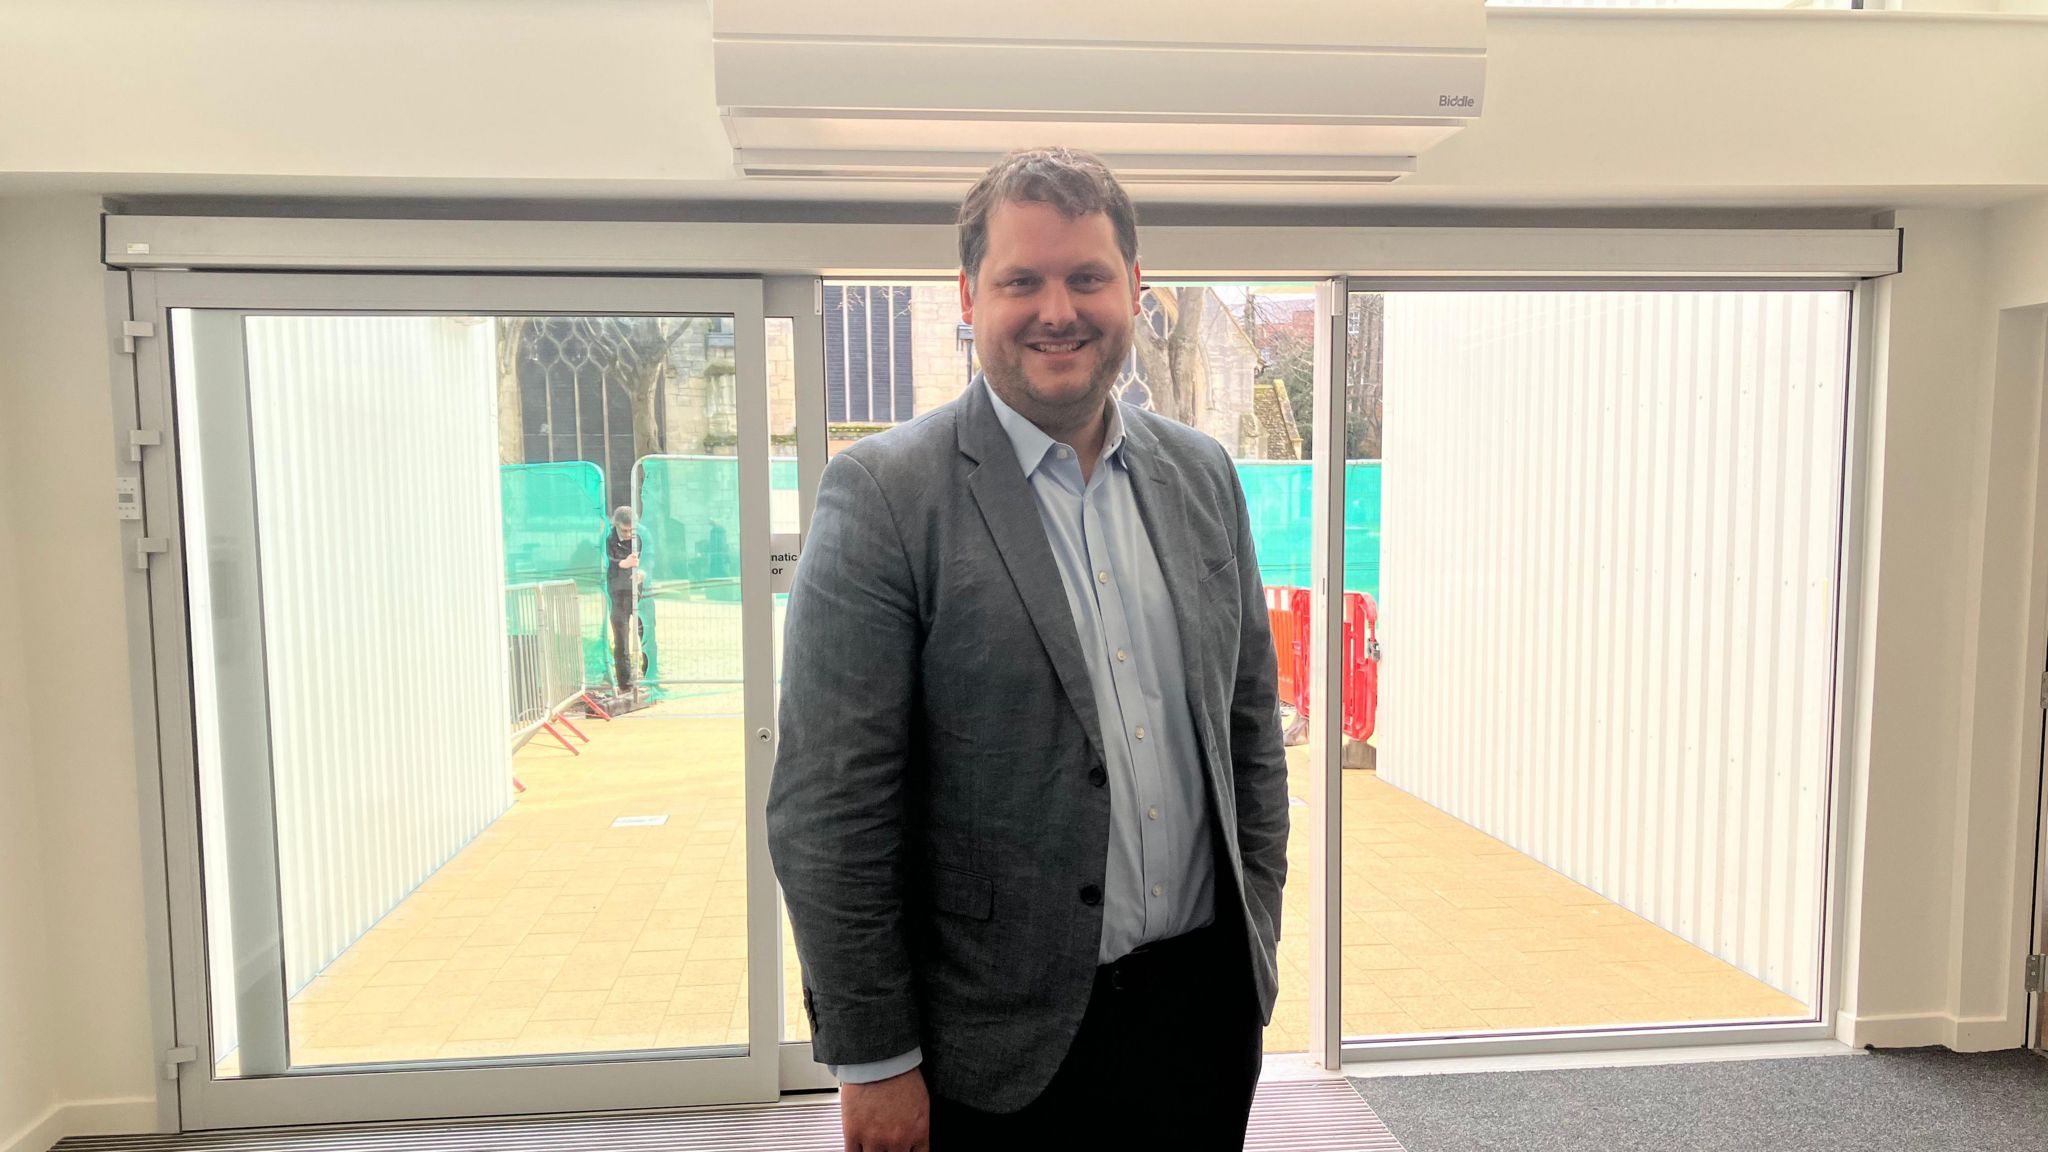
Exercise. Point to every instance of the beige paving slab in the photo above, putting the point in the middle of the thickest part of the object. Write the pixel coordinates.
(554, 932)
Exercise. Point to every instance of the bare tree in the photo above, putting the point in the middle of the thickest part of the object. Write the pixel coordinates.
(576, 370)
(635, 351)
(1175, 369)
(1365, 378)
(1287, 352)
(511, 403)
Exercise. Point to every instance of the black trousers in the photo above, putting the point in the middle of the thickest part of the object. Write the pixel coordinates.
(1168, 1056)
(623, 622)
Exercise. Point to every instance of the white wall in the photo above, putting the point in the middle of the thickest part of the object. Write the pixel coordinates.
(2019, 253)
(1595, 110)
(1992, 889)
(1734, 104)
(74, 739)
(28, 1082)
(1940, 815)
(1994, 898)
(601, 90)
(1581, 107)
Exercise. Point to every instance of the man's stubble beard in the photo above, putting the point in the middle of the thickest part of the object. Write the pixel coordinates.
(1014, 385)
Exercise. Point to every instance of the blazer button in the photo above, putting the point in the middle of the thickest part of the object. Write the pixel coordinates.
(1091, 895)
(1097, 776)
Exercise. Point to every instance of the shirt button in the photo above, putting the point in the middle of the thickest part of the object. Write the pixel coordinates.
(1153, 812)
(1122, 655)
(1141, 731)
(1091, 895)
(1066, 453)
(1159, 889)
(1102, 577)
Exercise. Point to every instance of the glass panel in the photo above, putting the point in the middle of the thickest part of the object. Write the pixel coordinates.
(782, 495)
(893, 351)
(498, 832)
(1595, 794)
(1250, 383)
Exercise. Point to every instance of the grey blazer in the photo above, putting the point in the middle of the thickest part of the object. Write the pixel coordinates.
(939, 798)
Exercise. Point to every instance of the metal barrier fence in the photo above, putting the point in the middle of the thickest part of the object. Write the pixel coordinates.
(544, 649)
(696, 632)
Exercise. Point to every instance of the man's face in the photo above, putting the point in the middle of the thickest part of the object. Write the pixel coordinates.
(1051, 309)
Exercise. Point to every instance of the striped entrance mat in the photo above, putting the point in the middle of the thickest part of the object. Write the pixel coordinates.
(1315, 1116)
(1288, 1116)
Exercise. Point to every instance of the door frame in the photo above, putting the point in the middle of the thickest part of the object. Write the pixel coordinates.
(1847, 654)
(2037, 1014)
(575, 1082)
(2023, 350)
(1521, 257)
(800, 299)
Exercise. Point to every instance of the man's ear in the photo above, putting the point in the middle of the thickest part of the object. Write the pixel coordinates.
(1137, 289)
(966, 299)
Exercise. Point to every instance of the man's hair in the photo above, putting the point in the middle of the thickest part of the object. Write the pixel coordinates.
(623, 514)
(1074, 182)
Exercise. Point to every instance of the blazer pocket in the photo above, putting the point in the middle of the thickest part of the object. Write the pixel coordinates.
(963, 893)
(1214, 568)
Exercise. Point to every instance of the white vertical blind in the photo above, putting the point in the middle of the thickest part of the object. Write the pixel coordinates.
(376, 465)
(1609, 546)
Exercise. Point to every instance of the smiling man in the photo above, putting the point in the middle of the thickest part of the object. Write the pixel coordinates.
(1030, 805)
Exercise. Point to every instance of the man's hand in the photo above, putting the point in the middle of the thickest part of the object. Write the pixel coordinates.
(893, 1115)
(632, 561)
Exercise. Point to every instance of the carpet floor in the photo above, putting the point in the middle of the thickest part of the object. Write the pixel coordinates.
(1922, 1100)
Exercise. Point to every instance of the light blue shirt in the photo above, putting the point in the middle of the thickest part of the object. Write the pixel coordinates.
(1160, 876)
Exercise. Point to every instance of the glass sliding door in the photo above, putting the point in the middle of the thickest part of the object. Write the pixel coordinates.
(1599, 535)
(472, 685)
(466, 815)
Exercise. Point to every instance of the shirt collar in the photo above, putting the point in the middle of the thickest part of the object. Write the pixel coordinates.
(1030, 441)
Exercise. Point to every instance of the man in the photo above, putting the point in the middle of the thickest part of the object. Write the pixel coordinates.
(1030, 807)
(622, 579)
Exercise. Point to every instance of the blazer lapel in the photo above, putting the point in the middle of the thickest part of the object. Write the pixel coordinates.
(1157, 484)
(1011, 513)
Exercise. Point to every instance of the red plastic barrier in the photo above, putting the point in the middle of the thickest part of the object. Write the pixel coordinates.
(1361, 665)
(1287, 609)
(1298, 651)
(1280, 615)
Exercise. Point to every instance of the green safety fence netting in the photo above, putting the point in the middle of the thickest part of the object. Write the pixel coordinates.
(690, 524)
(554, 522)
(689, 514)
(1277, 494)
